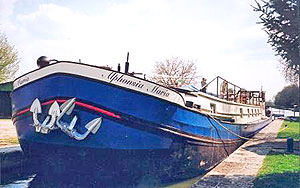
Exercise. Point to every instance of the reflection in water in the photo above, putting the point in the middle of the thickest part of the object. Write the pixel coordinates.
(21, 183)
(75, 180)
(41, 180)
(142, 171)
(69, 179)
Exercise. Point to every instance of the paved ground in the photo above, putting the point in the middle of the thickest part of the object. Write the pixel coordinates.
(7, 132)
(241, 167)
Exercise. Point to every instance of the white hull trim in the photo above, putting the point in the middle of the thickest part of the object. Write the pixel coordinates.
(108, 76)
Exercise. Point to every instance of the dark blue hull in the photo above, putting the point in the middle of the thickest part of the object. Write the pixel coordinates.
(134, 126)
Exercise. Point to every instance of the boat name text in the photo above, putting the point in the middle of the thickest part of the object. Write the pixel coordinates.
(119, 78)
(160, 91)
(115, 77)
(22, 81)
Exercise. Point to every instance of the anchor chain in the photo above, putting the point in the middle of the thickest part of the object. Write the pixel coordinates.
(54, 120)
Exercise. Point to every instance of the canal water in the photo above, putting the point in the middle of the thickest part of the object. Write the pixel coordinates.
(25, 176)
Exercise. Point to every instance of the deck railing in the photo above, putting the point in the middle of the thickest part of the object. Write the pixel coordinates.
(231, 92)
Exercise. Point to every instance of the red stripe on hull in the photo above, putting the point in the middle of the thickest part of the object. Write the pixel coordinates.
(84, 105)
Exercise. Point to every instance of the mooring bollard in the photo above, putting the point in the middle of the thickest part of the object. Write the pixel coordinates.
(290, 145)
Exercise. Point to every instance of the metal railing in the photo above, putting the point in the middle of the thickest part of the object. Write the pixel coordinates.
(231, 92)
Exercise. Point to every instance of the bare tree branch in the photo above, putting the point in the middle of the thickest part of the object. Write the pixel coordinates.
(290, 74)
(175, 71)
(9, 63)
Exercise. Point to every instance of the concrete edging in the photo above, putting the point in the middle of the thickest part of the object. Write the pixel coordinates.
(241, 167)
(11, 157)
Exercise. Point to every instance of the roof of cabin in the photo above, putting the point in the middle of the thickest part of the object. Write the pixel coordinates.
(7, 86)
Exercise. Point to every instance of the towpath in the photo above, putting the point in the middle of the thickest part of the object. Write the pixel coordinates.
(241, 167)
(8, 133)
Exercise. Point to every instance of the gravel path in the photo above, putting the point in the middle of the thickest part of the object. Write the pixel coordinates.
(7, 131)
(241, 167)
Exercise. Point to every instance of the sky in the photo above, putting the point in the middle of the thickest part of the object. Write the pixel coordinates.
(221, 37)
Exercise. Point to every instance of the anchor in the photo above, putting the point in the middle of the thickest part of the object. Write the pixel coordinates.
(53, 120)
(67, 108)
(53, 112)
(92, 127)
(36, 109)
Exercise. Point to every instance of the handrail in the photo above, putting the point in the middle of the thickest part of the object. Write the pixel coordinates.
(228, 82)
(208, 83)
(244, 95)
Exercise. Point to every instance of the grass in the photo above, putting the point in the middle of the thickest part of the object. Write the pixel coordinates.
(279, 170)
(292, 130)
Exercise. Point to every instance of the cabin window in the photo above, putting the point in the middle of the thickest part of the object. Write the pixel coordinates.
(213, 107)
(248, 110)
(252, 112)
(241, 112)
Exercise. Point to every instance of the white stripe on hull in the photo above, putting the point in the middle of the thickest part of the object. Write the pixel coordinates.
(108, 76)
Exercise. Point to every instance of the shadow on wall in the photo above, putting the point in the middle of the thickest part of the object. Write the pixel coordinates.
(279, 180)
(279, 145)
(289, 180)
(234, 181)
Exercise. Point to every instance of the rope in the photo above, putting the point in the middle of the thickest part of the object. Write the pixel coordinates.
(217, 131)
(228, 130)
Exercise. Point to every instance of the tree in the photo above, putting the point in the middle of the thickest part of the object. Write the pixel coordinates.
(290, 75)
(287, 97)
(175, 71)
(9, 63)
(280, 20)
(270, 103)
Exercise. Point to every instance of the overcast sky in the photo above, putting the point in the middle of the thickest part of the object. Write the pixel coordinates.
(221, 36)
